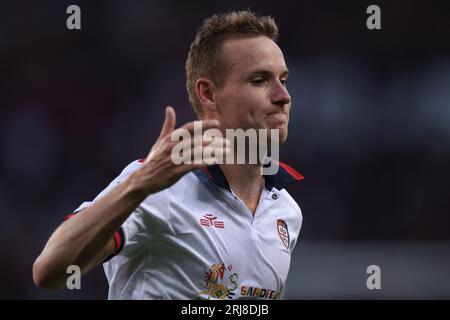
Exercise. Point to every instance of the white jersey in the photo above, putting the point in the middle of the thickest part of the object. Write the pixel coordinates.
(198, 240)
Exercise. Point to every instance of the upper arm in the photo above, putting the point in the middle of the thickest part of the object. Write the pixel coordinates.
(115, 244)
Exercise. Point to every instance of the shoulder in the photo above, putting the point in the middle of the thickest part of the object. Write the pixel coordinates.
(185, 187)
(128, 170)
(131, 167)
(290, 202)
(292, 213)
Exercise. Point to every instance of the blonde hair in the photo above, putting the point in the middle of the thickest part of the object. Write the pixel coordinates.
(204, 59)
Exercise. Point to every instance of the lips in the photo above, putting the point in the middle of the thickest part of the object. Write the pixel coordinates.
(280, 116)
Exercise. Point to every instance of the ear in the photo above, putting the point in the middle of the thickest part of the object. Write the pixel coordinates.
(205, 91)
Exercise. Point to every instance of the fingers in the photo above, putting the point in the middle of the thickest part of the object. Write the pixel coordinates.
(169, 122)
(205, 125)
(204, 129)
(206, 152)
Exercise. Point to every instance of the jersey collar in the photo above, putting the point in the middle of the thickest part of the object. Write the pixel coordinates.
(283, 178)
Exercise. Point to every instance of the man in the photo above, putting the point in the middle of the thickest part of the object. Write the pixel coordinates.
(191, 231)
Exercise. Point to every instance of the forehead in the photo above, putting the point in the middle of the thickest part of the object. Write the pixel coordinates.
(244, 55)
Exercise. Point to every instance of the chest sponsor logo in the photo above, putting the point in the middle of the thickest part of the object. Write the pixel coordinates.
(259, 293)
(210, 220)
(283, 232)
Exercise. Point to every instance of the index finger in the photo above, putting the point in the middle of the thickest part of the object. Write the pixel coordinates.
(205, 125)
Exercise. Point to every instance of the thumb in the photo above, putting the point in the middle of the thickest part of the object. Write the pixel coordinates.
(169, 122)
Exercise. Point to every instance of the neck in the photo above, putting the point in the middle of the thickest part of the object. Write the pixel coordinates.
(246, 181)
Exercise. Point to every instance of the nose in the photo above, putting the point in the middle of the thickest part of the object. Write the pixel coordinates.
(280, 96)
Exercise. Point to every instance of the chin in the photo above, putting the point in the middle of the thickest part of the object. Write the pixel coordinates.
(283, 136)
(283, 133)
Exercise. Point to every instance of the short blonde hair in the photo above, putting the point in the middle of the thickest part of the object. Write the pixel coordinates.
(204, 58)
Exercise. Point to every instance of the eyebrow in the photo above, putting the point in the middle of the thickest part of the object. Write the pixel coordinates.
(264, 72)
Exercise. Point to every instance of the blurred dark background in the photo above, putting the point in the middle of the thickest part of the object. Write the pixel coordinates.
(369, 130)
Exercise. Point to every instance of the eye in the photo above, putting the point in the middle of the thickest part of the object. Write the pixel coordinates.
(284, 81)
(258, 81)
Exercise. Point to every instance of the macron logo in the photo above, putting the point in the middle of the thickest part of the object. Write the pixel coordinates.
(209, 220)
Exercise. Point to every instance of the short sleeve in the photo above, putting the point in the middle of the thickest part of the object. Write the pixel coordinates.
(120, 235)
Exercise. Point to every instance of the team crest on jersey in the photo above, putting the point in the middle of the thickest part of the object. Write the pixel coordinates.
(283, 232)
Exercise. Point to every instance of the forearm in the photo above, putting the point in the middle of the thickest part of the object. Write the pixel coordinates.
(80, 240)
(85, 239)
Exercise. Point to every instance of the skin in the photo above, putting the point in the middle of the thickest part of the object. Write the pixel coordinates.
(254, 95)
(246, 100)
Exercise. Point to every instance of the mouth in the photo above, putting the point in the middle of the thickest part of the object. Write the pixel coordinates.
(277, 117)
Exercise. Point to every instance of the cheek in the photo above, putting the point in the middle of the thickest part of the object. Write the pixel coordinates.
(243, 107)
(244, 104)
(253, 103)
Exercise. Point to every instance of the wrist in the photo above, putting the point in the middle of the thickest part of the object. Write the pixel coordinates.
(137, 186)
